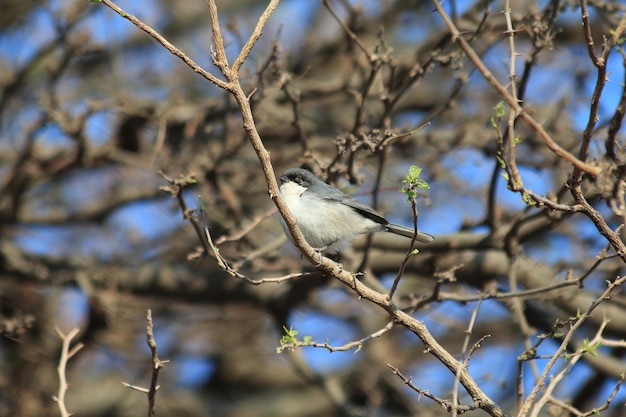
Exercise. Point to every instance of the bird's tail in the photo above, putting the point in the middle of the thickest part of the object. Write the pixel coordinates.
(408, 232)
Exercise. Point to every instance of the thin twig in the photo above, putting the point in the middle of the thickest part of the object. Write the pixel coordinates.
(515, 179)
(591, 50)
(136, 388)
(174, 50)
(348, 31)
(358, 344)
(566, 340)
(510, 100)
(517, 310)
(468, 335)
(176, 187)
(223, 263)
(555, 379)
(600, 62)
(596, 411)
(447, 405)
(409, 253)
(157, 365)
(254, 37)
(245, 230)
(66, 355)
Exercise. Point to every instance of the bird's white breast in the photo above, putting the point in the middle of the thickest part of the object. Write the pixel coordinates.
(325, 224)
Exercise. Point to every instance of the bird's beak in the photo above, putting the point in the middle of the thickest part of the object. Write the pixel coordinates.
(283, 178)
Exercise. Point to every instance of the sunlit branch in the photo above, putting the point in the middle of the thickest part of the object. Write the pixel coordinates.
(66, 355)
(166, 44)
(510, 100)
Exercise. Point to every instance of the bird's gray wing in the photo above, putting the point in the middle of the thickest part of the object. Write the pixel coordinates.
(357, 205)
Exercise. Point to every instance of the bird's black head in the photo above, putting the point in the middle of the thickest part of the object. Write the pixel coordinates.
(300, 176)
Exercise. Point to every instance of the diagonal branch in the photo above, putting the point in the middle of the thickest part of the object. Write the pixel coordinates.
(326, 265)
(256, 34)
(173, 49)
(510, 99)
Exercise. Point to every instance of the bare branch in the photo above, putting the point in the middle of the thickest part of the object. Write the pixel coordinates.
(528, 403)
(157, 365)
(511, 100)
(358, 344)
(174, 50)
(66, 355)
(449, 406)
(254, 37)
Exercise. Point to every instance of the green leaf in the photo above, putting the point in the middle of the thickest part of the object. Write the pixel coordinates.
(499, 109)
(591, 348)
(420, 183)
(414, 172)
(290, 336)
(528, 199)
(501, 160)
(413, 182)
(410, 194)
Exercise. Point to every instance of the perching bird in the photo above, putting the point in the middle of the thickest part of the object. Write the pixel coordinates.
(328, 218)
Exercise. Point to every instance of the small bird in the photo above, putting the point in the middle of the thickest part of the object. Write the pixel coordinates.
(328, 218)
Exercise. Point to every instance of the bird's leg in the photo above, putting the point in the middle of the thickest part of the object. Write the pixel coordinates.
(336, 258)
(319, 253)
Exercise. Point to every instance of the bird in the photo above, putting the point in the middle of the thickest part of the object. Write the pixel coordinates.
(330, 219)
